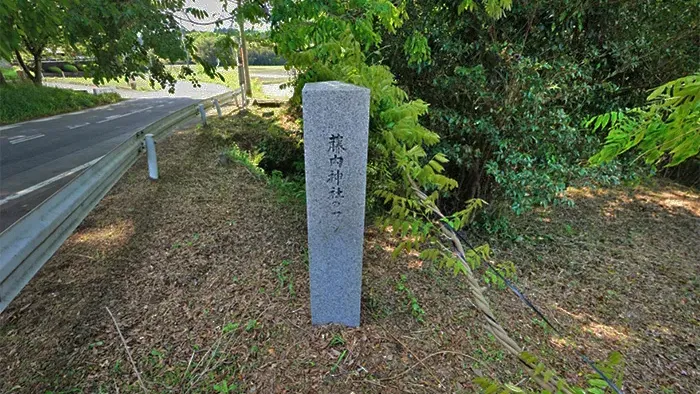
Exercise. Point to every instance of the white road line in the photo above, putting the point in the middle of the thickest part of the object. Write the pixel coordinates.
(78, 126)
(12, 126)
(47, 182)
(15, 137)
(25, 139)
(160, 106)
(45, 119)
(107, 119)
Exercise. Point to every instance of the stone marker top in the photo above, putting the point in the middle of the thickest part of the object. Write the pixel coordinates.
(332, 85)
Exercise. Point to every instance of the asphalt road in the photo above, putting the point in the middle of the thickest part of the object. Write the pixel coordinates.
(38, 157)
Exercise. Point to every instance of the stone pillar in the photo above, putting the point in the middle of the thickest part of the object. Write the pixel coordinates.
(336, 123)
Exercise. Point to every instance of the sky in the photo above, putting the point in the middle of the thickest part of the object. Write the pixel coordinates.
(212, 7)
(215, 10)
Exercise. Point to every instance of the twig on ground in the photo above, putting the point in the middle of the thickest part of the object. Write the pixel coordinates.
(189, 364)
(128, 352)
(430, 371)
(381, 385)
(83, 256)
(420, 362)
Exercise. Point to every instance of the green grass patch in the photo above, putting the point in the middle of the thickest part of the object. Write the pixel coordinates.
(10, 74)
(26, 101)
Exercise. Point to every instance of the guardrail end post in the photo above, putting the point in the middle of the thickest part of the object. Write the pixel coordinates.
(243, 96)
(203, 114)
(218, 107)
(151, 155)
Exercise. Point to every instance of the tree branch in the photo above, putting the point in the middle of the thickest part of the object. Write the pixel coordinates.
(24, 66)
(189, 20)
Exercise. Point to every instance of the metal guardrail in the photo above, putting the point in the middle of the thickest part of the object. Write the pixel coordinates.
(30, 242)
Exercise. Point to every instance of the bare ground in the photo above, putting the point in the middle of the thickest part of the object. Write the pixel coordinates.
(205, 272)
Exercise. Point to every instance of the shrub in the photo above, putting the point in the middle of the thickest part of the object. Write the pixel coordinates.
(24, 101)
(55, 70)
(70, 68)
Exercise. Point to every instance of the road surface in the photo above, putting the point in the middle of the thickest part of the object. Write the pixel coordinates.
(38, 157)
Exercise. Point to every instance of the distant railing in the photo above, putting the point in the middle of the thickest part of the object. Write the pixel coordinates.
(31, 241)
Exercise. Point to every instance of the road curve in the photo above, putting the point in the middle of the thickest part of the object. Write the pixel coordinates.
(38, 157)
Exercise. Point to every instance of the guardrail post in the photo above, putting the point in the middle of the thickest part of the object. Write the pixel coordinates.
(203, 114)
(218, 107)
(243, 96)
(151, 155)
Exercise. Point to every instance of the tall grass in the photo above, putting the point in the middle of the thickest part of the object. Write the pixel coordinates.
(23, 101)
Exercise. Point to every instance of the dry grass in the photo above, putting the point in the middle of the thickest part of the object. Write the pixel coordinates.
(205, 271)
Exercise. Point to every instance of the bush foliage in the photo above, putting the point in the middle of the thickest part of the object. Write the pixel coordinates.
(508, 96)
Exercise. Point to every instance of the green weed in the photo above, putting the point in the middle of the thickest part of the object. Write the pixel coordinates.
(340, 359)
(223, 387)
(230, 327)
(337, 340)
(249, 160)
(284, 278)
(251, 325)
(416, 311)
(95, 344)
(190, 242)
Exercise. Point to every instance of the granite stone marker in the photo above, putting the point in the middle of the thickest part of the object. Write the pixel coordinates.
(336, 123)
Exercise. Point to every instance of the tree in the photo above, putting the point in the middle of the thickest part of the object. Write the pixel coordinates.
(126, 39)
(129, 39)
(28, 27)
(215, 48)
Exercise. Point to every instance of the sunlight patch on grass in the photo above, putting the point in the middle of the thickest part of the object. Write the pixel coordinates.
(672, 201)
(603, 331)
(575, 192)
(561, 343)
(115, 235)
